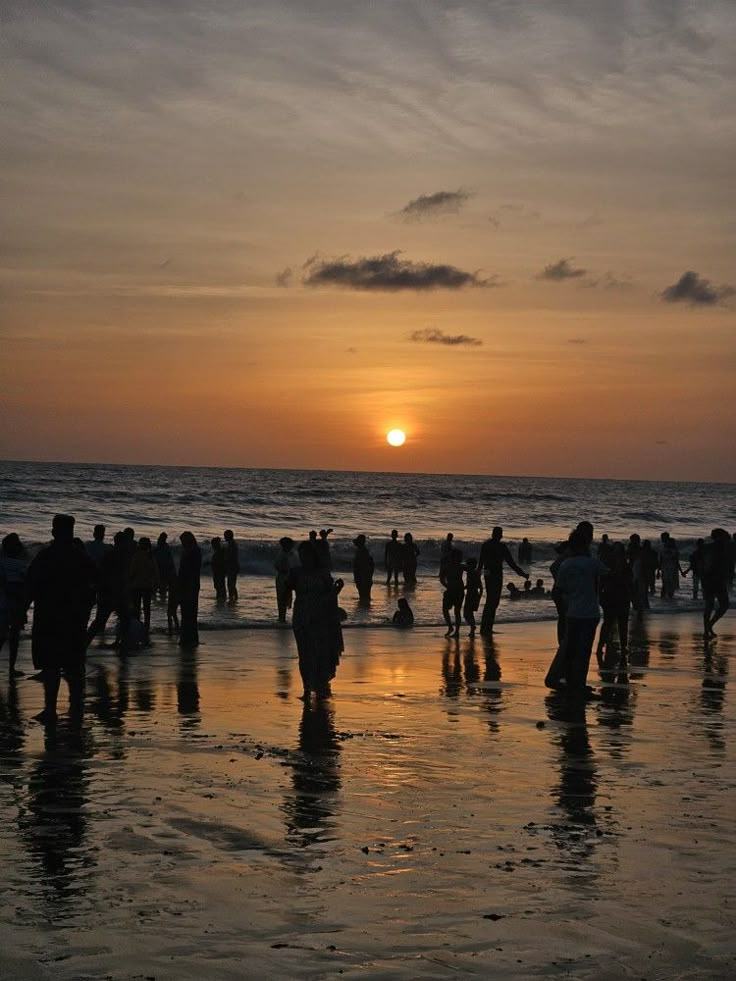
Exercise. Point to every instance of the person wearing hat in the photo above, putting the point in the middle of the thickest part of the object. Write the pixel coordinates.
(363, 568)
(286, 559)
(58, 585)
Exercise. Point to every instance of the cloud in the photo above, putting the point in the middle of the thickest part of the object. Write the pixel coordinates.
(428, 206)
(609, 281)
(433, 335)
(387, 272)
(577, 340)
(284, 277)
(696, 290)
(561, 270)
(662, 442)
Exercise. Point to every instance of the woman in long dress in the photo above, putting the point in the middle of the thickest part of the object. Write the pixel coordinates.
(316, 622)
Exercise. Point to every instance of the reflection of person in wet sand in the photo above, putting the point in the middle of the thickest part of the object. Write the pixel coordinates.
(315, 775)
(59, 580)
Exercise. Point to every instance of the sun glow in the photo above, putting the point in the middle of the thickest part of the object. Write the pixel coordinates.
(396, 437)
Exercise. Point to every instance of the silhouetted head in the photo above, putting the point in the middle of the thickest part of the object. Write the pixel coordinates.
(312, 535)
(527, 585)
(403, 603)
(539, 584)
(129, 534)
(308, 556)
(118, 539)
(324, 532)
(700, 542)
(144, 544)
(524, 541)
(163, 538)
(12, 546)
(586, 530)
(216, 543)
(579, 542)
(62, 527)
(394, 534)
(408, 538)
(228, 535)
(450, 537)
(359, 541)
(635, 539)
(188, 541)
(98, 533)
(286, 543)
(720, 535)
(664, 537)
(604, 539)
(497, 534)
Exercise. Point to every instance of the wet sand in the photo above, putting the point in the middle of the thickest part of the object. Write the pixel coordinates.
(441, 816)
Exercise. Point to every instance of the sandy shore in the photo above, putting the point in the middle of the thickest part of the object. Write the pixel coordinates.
(441, 816)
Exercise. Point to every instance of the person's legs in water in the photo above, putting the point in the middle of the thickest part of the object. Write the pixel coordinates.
(714, 597)
(494, 586)
(580, 638)
(51, 679)
(446, 607)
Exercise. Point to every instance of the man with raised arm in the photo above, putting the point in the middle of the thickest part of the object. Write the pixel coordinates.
(494, 552)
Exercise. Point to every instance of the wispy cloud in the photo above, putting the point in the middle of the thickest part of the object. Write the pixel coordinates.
(387, 272)
(561, 270)
(283, 278)
(696, 290)
(429, 206)
(433, 335)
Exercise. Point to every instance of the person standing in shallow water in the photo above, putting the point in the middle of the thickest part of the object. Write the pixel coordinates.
(284, 562)
(165, 565)
(493, 554)
(363, 569)
(188, 589)
(58, 585)
(316, 622)
(473, 593)
(393, 557)
(217, 564)
(410, 555)
(716, 567)
(13, 569)
(452, 599)
(232, 565)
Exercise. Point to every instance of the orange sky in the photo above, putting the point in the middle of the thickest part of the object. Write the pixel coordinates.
(547, 179)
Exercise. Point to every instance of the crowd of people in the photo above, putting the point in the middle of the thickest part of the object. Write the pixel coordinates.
(75, 588)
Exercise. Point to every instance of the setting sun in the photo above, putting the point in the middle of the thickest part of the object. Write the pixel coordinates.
(396, 437)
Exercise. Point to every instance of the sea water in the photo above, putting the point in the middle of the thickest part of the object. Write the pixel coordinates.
(261, 506)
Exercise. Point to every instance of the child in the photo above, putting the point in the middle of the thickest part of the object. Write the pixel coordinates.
(451, 578)
(403, 617)
(473, 593)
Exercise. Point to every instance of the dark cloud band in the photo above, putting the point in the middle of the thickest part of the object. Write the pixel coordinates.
(433, 335)
(696, 290)
(434, 205)
(387, 272)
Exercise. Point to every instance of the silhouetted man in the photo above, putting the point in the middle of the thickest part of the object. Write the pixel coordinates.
(716, 567)
(525, 551)
(59, 580)
(494, 552)
(393, 557)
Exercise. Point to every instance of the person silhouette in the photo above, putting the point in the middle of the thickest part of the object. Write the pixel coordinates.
(716, 565)
(452, 599)
(363, 568)
(143, 582)
(316, 622)
(524, 553)
(165, 565)
(403, 615)
(13, 569)
(217, 564)
(58, 585)
(286, 559)
(393, 558)
(232, 566)
(410, 555)
(323, 550)
(188, 583)
(473, 593)
(493, 554)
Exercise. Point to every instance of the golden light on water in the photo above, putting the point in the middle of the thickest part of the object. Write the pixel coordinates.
(396, 437)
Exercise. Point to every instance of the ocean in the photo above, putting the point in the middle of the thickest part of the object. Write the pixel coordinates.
(263, 505)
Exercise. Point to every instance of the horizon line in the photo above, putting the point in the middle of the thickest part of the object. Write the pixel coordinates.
(398, 473)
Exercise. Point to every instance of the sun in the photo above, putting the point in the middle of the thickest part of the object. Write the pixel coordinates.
(396, 437)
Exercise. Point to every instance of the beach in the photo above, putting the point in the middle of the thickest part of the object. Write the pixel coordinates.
(441, 815)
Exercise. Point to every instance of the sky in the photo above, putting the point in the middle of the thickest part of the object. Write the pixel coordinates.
(264, 233)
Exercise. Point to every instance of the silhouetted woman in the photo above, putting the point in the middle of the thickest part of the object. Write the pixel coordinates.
(316, 622)
(363, 568)
(283, 564)
(616, 591)
(451, 578)
(143, 582)
(410, 556)
(217, 564)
